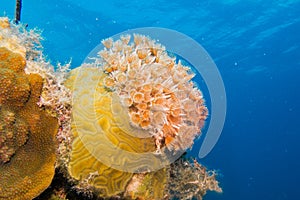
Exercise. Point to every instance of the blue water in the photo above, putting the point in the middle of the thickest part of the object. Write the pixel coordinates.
(255, 45)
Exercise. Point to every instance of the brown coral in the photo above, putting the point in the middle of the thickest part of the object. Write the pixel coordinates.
(27, 169)
(55, 97)
(13, 134)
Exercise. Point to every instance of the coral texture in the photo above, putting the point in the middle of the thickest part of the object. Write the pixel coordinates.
(93, 176)
(148, 186)
(34, 106)
(84, 166)
(18, 40)
(27, 146)
(157, 91)
(191, 180)
(55, 97)
(13, 133)
(129, 104)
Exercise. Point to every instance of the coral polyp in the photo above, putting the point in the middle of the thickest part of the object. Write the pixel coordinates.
(14, 132)
(157, 92)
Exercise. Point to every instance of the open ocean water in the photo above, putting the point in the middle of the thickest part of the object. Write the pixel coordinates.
(256, 47)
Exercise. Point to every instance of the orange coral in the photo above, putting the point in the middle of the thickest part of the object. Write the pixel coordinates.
(13, 134)
(157, 91)
(55, 97)
(14, 89)
(27, 146)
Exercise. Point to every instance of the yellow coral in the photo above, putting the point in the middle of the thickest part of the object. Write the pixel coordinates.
(148, 186)
(107, 181)
(29, 131)
(127, 111)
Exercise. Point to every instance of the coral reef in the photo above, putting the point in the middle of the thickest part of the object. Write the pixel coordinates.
(55, 97)
(94, 176)
(133, 98)
(130, 107)
(27, 133)
(84, 166)
(181, 180)
(13, 133)
(147, 186)
(18, 40)
(12, 65)
(190, 180)
(28, 124)
(156, 90)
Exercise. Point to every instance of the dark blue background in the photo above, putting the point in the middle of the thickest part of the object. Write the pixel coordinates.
(255, 45)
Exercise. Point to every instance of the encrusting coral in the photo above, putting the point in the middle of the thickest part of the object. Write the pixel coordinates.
(28, 126)
(55, 97)
(28, 145)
